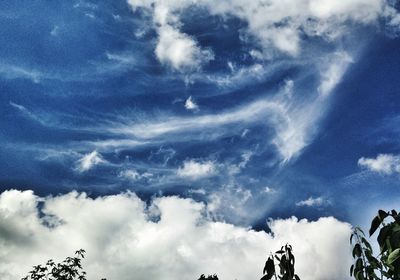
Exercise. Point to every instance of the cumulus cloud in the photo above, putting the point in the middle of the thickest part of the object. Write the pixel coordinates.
(122, 238)
(193, 169)
(234, 202)
(175, 49)
(88, 161)
(180, 51)
(383, 163)
(279, 24)
(313, 202)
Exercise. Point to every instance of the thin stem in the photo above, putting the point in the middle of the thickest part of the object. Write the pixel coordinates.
(362, 253)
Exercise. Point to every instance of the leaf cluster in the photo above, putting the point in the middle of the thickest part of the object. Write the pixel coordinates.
(285, 261)
(68, 269)
(209, 277)
(387, 263)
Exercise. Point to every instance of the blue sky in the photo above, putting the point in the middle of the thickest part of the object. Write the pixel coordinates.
(258, 110)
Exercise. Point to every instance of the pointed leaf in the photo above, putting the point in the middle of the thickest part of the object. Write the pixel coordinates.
(357, 250)
(395, 255)
(363, 240)
(382, 214)
(374, 225)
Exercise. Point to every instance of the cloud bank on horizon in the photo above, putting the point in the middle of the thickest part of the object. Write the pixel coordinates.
(171, 238)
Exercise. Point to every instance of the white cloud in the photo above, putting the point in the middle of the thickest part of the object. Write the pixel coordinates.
(130, 174)
(332, 74)
(190, 104)
(278, 24)
(233, 202)
(294, 121)
(292, 115)
(122, 239)
(242, 75)
(122, 58)
(270, 190)
(197, 191)
(383, 163)
(88, 161)
(245, 159)
(245, 114)
(313, 202)
(193, 169)
(134, 175)
(297, 122)
(180, 51)
(55, 31)
(18, 72)
(175, 49)
(27, 113)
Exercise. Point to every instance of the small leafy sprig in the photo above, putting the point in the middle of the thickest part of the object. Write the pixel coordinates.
(68, 269)
(286, 261)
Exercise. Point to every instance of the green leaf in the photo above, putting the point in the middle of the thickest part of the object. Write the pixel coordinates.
(366, 243)
(359, 230)
(376, 222)
(357, 250)
(396, 228)
(383, 234)
(393, 256)
(360, 276)
(359, 264)
(351, 270)
(269, 269)
(382, 214)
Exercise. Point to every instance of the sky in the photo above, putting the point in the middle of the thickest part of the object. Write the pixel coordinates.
(173, 138)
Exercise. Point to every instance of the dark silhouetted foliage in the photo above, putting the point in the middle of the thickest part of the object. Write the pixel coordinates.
(387, 264)
(285, 261)
(209, 277)
(68, 269)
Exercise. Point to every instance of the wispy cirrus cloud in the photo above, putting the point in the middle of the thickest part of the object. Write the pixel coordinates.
(88, 161)
(27, 112)
(294, 119)
(10, 71)
(314, 202)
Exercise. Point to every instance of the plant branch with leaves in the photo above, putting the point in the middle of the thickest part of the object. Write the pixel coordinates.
(387, 264)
